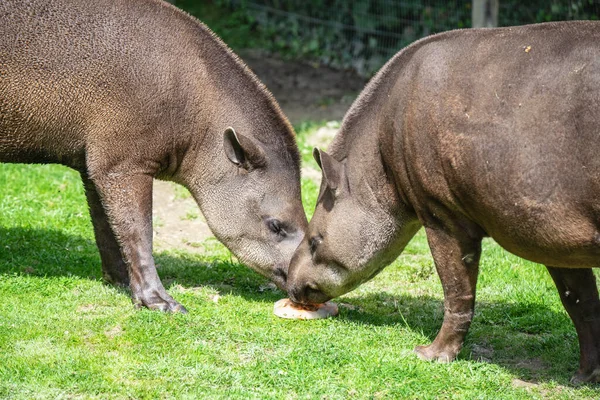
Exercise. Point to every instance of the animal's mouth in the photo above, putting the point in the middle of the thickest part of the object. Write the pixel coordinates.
(308, 295)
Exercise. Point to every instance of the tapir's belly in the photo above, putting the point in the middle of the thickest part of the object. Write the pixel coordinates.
(561, 238)
(30, 133)
(26, 146)
(536, 193)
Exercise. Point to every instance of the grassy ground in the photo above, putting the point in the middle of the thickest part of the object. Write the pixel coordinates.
(63, 334)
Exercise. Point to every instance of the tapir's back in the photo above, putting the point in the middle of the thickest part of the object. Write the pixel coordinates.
(66, 65)
(521, 114)
(505, 125)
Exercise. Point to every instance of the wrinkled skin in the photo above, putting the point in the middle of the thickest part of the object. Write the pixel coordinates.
(128, 91)
(469, 134)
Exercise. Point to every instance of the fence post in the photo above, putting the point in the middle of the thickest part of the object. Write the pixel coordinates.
(485, 13)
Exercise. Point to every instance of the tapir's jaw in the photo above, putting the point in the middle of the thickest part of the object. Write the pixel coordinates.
(279, 277)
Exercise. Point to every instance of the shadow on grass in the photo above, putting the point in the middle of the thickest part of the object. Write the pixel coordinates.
(52, 253)
(530, 340)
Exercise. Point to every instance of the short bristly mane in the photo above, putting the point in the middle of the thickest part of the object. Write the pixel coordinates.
(377, 85)
(385, 79)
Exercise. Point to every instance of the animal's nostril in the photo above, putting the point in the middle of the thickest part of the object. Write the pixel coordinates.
(306, 294)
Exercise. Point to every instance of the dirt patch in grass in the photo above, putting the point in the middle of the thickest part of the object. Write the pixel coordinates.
(306, 92)
(177, 221)
(114, 332)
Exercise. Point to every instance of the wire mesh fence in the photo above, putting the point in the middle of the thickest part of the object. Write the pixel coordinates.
(363, 34)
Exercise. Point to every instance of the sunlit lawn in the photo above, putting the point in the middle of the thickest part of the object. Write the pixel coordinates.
(64, 334)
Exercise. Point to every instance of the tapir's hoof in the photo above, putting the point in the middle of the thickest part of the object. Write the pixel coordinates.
(165, 306)
(581, 378)
(177, 308)
(180, 309)
(427, 353)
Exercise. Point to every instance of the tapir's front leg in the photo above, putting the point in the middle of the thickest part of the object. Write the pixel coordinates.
(114, 268)
(127, 200)
(457, 263)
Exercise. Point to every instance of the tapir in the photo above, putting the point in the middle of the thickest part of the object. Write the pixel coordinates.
(470, 134)
(125, 91)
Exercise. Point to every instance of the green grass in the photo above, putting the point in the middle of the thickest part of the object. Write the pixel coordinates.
(64, 334)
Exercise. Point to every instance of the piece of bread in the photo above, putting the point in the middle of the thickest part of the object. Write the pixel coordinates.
(285, 308)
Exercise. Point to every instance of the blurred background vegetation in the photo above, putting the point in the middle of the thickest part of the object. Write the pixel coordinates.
(359, 34)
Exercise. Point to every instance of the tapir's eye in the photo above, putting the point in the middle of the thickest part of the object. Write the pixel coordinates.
(314, 242)
(276, 227)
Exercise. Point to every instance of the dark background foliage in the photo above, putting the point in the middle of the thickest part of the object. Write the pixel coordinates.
(363, 34)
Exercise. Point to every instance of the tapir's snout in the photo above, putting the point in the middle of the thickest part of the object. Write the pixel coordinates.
(302, 286)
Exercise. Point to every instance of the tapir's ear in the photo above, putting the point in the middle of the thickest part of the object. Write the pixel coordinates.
(242, 151)
(332, 168)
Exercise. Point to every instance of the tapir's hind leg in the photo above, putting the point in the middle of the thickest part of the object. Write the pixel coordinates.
(114, 268)
(579, 295)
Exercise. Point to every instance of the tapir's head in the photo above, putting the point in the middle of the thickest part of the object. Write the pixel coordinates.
(251, 199)
(359, 226)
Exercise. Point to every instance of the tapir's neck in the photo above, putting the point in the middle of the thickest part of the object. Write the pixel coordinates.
(370, 136)
(224, 92)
